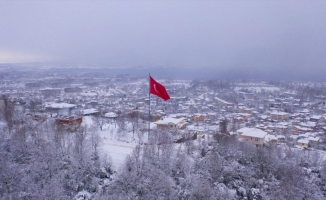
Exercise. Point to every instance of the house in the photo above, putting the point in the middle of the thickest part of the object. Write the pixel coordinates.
(311, 125)
(243, 109)
(281, 139)
(263, 117)
(276, 115)
(303, 142)
(170, 123)
(198, 117)
(299, 129)
(271, 138)
(91, 111)
(111, 115)
(211, 116)
(245, 115)
(72, 120)
(317, 119)
(313, 141)
(61, 108)
(281, 126)
(252, 135)
(69, 123)
(198, 130)
(238, 120)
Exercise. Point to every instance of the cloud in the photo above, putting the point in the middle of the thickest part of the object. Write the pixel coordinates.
(20, 57)
(256, 35)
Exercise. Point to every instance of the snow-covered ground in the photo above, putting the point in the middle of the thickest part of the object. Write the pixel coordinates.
(112, 147)
(116, 151)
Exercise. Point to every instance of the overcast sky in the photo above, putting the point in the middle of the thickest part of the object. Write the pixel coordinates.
(255, 35)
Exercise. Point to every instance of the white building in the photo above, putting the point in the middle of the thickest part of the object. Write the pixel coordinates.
(253, 135)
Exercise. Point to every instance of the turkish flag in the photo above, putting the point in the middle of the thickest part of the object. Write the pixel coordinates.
(158, 89)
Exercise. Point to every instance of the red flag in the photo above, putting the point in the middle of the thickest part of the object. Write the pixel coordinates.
(158, 89)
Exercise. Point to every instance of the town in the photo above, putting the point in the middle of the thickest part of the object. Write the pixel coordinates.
(97, 135)
(262, 113)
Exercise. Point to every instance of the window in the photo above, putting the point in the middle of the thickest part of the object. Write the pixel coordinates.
(256, 139)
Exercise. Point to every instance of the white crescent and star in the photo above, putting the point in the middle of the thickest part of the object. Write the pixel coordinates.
(155, 88)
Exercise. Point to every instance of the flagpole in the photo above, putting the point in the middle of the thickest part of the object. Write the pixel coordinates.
(149, 108)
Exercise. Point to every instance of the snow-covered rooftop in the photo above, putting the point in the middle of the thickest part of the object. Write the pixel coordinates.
(270, 137)
(110, 115)
(274, 112)
(88, 94)
(308, 124)
(252, 132)
(60, 105)
(168, 120)
(314, 139)
(89, 111)
(303, 141)
(302, 128)
(316, 117)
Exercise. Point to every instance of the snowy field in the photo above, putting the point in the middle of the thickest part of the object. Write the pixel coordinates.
(116, 151)
(113, 148)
